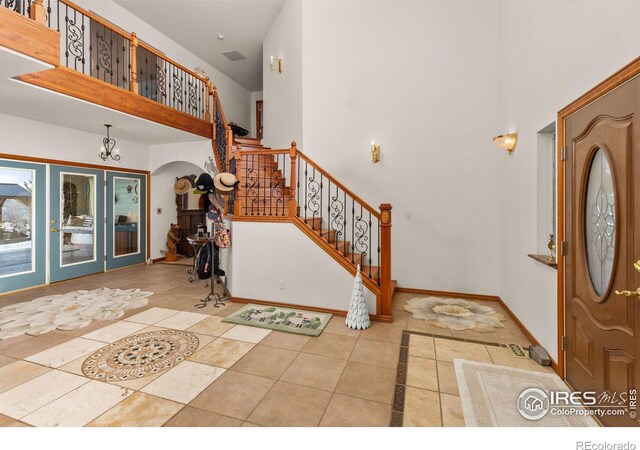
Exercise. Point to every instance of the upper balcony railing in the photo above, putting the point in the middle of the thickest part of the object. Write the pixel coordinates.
(93, 46)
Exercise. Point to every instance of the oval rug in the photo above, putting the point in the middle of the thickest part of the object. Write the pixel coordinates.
(140, 355)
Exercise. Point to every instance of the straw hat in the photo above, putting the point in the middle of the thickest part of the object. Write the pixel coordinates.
(182, 186)
(225, 182)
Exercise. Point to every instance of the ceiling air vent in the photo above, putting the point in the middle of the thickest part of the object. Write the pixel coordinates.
(234, 55)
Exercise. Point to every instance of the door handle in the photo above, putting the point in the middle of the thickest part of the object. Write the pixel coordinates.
(55, 230)
(635, 293)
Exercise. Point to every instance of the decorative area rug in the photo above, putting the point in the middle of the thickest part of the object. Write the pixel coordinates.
(296, 321)
(494, 396)
(455, 314)
(140, 355)
(68, 311)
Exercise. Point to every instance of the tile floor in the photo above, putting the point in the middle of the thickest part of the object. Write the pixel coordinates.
(240, 376)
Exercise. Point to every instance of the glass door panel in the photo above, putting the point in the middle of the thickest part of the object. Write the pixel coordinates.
(126, 219)
(77, 218)
(22, 225)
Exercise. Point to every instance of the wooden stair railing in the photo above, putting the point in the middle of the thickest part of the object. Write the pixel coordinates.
(287, 185)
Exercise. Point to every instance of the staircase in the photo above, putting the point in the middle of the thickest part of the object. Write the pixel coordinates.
(285, 185)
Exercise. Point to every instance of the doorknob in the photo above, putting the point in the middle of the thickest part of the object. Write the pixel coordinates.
(635, 293)
(55, 230)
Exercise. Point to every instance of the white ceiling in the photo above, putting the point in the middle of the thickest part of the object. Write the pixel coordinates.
(195, 25)
(24, 100)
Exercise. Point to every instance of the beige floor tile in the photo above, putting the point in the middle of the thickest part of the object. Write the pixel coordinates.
(377, 353)
(182, 320)
(513, 337)
(490, 336)
(369, 382)
(78, 407)
(222, 352)
(452, 414)
(331, 345)
(138, 410)
(152, 316)
(503, 357)
(423, 327)
(246, 334)
(137, 384)
(211, 326)
(234, 394)
(227, 309)
(265, 361)
(447, 380)
(291, 405)
(249, 424)
(345, 411)
(36, 393)
(114, 332)
(448, 350)
(288, 341)
(337, 326)
(19, 372)
(422, 346)
(65, 353)
(196, 417)
(315, 371)
(6, 421)
(184, 382)
(386, 332)
(23, 346)
(422, 373)
(421, 408)
(5, 361)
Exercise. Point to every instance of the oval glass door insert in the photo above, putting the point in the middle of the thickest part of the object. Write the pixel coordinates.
(600, 222)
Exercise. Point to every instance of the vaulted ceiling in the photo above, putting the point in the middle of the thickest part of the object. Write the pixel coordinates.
(196, 25)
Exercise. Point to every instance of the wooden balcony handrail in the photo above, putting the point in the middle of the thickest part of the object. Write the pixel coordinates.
(368, 207)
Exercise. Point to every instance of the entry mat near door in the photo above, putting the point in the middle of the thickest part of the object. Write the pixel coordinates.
(309, 323)
(69, 311)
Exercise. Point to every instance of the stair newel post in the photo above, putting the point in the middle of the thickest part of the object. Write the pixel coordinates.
(293, 153)
(38, 12)
(385, 259)
(133, 85)
(237, 205)
(207, 113)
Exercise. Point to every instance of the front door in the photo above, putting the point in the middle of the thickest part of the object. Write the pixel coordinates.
(76, 222)
(602, 229)
(126, 219)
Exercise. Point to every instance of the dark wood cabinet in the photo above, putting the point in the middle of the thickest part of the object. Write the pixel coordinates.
(188, 219)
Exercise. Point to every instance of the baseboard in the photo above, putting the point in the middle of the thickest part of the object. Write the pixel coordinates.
(335, 312)
(491, 298)
(464, 295)
(155, 260)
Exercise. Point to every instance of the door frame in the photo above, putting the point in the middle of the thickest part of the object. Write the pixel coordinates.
(614, 81)
(60, 162)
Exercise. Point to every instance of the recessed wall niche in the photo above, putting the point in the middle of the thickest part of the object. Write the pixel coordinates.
(546, 187)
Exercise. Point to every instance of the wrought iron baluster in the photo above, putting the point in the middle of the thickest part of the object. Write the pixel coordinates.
(328, 213)
(353, 225)
(378, 260)
(337, 223)
(306, 183)
(66, 35)
(298, 185)
(246, 184)
(369, 241)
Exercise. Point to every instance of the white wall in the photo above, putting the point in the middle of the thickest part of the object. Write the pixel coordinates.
(283, 91)
(234, 97)
(255, 96)
(266, 252)
(420, 79)
(42, 140)
(551, 53)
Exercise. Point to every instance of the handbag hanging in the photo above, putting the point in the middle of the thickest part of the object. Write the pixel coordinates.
(222, 234)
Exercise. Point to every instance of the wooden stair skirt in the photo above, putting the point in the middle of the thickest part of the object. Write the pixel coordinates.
(285, 185)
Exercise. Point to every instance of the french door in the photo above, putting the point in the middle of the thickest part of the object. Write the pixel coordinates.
(22, 226)
(76, 224)
(602, 228)
(126, 219)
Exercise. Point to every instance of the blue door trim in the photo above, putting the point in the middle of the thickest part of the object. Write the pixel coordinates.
(58, 272)
(38, 275)
(116, 262)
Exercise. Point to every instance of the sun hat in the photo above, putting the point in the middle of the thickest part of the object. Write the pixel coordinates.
(182, 186)
(225, 182)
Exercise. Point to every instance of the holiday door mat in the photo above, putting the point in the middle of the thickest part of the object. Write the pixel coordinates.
(309, 323)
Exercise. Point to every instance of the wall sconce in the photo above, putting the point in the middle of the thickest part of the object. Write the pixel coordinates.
(375, 152)
(276, 64)
(506, 141)
(107, 149)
